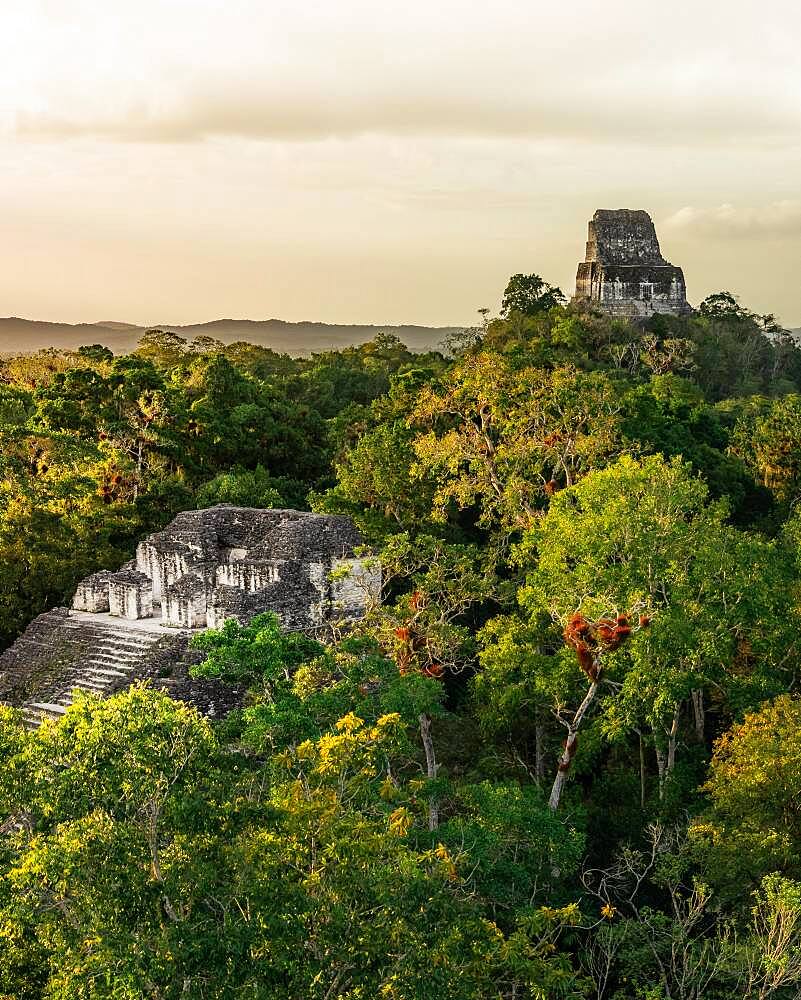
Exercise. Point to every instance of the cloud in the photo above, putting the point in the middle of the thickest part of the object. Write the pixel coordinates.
(598, 114)
(270, 70)
(777, 219)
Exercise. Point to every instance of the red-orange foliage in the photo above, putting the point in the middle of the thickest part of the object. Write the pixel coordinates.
(412, 642)
(592, 638)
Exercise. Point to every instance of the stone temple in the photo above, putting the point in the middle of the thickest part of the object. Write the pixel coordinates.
(624, 272)
(206, 567)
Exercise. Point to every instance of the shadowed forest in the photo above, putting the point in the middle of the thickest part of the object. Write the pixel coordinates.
(562, 758)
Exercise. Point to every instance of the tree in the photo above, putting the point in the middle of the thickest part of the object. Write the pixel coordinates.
(142, 859)
(772, 951)
(163, 348)
(722, 305)
(767, 438)
(241, 487)
(680, 946)
(691, 947)
(639, 544)
(505, 439)
(753, 824)
(111, 799)
(528, 294)
(260, 653)
(422, 629)
(96, 352)
(375, 484)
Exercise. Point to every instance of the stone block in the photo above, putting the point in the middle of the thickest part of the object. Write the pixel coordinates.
(184, 603)
(249, 574)
(92, 593)
(130, 595)
(234, 562)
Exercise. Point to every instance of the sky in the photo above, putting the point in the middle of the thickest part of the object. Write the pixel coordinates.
(177, 161)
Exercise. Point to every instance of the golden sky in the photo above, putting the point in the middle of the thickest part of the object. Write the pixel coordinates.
(371, 162)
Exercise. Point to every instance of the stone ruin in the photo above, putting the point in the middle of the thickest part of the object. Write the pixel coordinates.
(235, 562)
(204, 568)
(624, 272)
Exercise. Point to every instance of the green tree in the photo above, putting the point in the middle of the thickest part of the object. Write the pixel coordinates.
(753, 825)
(242, 488)
(144, 860)
(504, 439)
(767, 439)
(528, 294)
(639, 544)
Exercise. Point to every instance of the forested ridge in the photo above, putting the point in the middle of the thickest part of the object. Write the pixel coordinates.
(562, 758)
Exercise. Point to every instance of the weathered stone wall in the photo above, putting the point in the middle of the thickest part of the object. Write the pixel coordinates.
(355, 585)
(62, 652)
(184, 604)
(623, 236)
(41, 653)
(249, 574)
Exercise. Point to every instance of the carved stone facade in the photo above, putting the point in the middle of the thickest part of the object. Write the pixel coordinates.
(207, 566)
(624, 272)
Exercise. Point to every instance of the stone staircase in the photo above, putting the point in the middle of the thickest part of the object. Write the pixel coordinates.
(98, 658)
(63, 650)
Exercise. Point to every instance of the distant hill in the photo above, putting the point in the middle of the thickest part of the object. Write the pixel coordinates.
(23, 335)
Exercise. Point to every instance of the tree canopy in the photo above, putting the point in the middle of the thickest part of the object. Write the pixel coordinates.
(559, 758)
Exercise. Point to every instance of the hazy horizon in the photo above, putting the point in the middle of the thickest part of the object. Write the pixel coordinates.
(367, 164)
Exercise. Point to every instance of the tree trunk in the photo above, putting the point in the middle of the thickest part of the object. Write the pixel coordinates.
(642, 771)
(431, 768)
(566, 757)
(673, 733)
(153, 813)
(539, 752)
(661, 767)
(666, 753)
(699, 714)
(138, 469)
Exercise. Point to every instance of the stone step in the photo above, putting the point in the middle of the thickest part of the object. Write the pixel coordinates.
(110, 662)
(97, 659)
(123, 635)
(64, 700)
(124, 642)
(91, 686)
(126, 656)
(118, 654)
(105, 671)
(46, 707)
(32, 719)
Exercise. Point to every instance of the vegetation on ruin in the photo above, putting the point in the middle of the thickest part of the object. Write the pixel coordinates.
(561, 759)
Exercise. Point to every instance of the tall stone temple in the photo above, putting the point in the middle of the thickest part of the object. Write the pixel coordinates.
(624, 272)
(205, 568)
